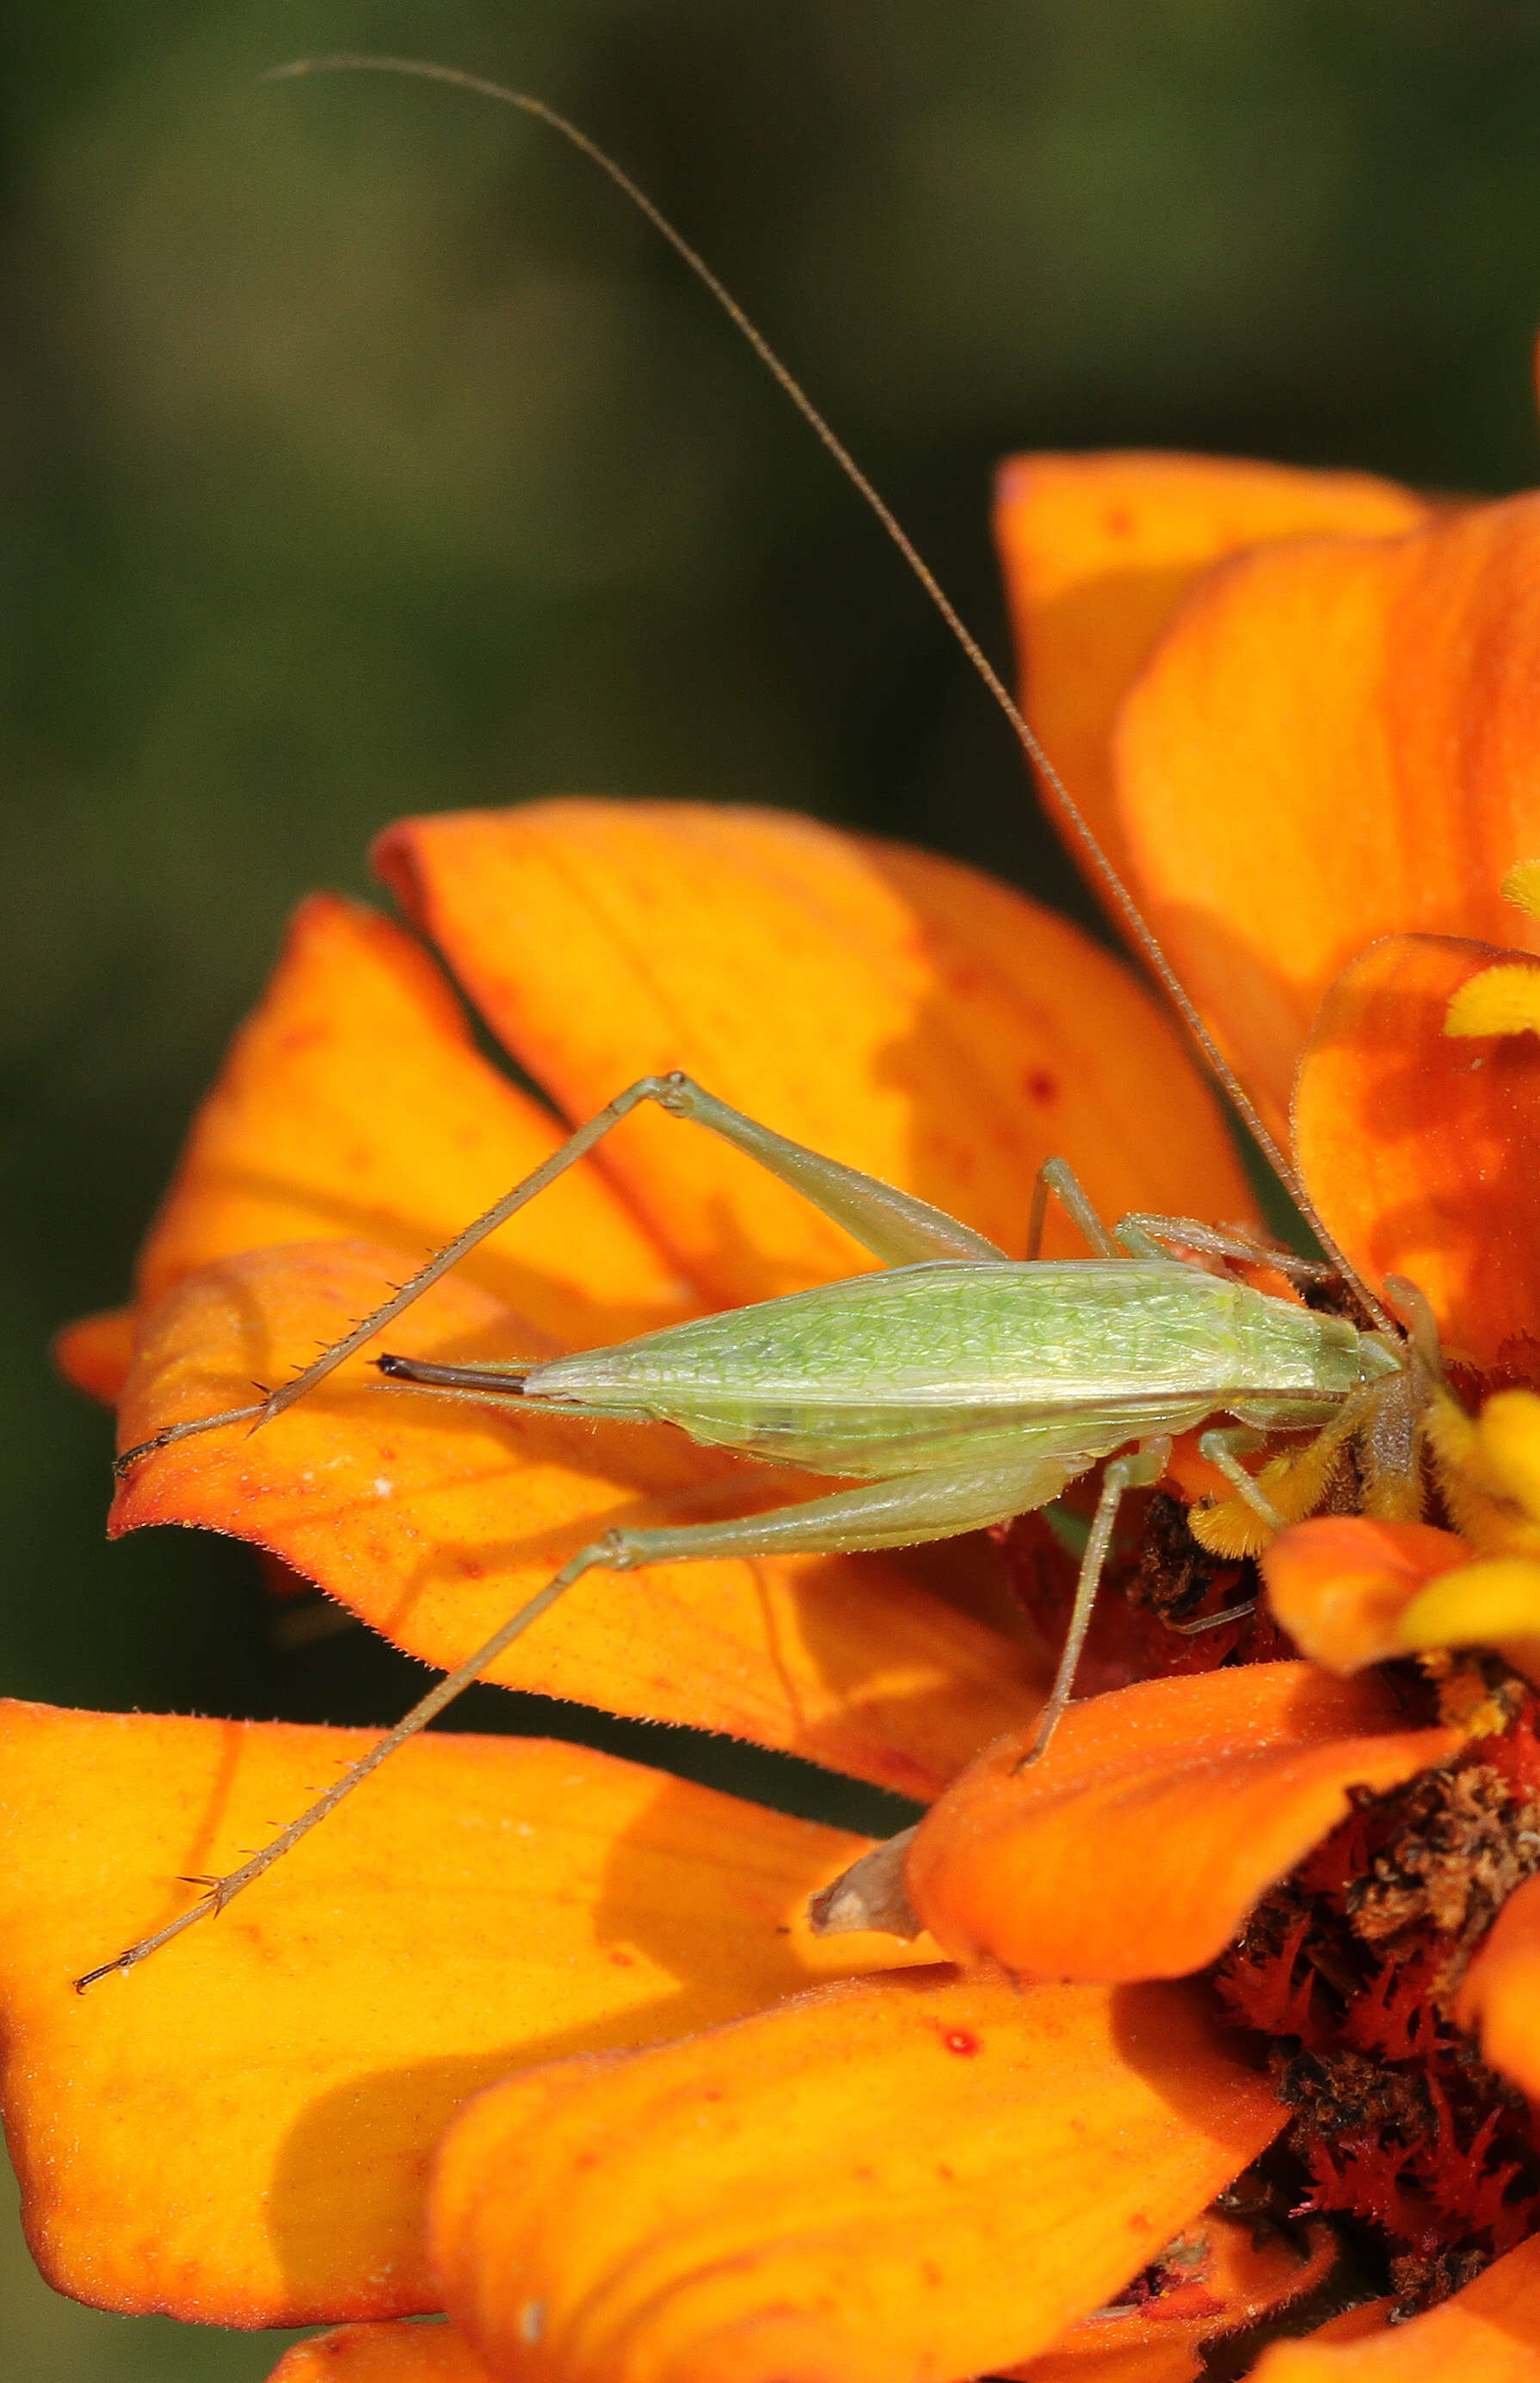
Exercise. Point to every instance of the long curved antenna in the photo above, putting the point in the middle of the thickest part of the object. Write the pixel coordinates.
(425, 70)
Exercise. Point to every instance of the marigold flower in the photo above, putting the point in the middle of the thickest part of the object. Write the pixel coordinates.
(694, 2140)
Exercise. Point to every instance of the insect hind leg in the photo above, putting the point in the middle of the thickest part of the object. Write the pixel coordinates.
(894, 1225)
(899, 1511)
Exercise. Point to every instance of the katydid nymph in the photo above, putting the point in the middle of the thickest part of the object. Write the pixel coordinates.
(955, 1387)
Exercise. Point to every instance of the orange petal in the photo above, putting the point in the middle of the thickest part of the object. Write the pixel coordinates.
(354, 1101)
(1340, 1584)
(886, 2181)
(1335, 741)
(1098, 550)
(1138, 1844)
(1501, 1991)
(383, 2353)
(1418, 1149)
(1488, 2333)
(96, 1353)
(898, 1012)
(435, 1518)
(238, 2130)
(1231, 2282)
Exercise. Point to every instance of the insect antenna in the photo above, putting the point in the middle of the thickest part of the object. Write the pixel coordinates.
(620, 1550)
(1119, 894)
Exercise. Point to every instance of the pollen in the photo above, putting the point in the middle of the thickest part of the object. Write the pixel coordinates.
(1503, 999)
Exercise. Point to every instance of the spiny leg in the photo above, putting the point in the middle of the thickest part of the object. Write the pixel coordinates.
(1134, 1470)
(894, 1225)
(1216, 1242)
(896, 1512)
(577, 1146)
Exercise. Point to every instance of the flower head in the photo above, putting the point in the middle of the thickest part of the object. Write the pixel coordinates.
(723, 2146)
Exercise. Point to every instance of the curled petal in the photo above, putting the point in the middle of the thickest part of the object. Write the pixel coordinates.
(898, 1012)
(1490, 2330)
(1333, 742)
(383, 2353)
(435, 1518)
(1418, 1149)
(96, 1351)
(238, 2130)
(883, 2182)
(1491, 1604)
(1098, 552)
(1160, 1813)
(1501, 1990)
(1508, 1448)
(1341, 1584)
(1488, 1472)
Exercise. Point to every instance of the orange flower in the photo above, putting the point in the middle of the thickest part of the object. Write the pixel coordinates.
(724, 2146)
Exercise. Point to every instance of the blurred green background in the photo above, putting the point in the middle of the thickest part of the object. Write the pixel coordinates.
(363, 453)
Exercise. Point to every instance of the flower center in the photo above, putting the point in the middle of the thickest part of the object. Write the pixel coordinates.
(1349, 1967)
(1425, 2160)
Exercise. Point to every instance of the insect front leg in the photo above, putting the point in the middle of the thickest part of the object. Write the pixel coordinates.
(896, 1513)
(1134, 1470)
(894, 1225)
(1143, 1234)
(1249, 1248)
(1224, 1449)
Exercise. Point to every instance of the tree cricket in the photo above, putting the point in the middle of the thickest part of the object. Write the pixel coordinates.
(955, 1387)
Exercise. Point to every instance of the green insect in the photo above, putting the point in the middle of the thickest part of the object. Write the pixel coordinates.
(953, 1389)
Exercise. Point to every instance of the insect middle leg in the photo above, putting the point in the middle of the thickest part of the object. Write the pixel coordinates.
(1056, 1179)
(1127, 1239)
(900, 1512)
(1135, 1471)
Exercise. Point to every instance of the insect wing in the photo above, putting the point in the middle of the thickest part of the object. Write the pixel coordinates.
(898, 1367)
